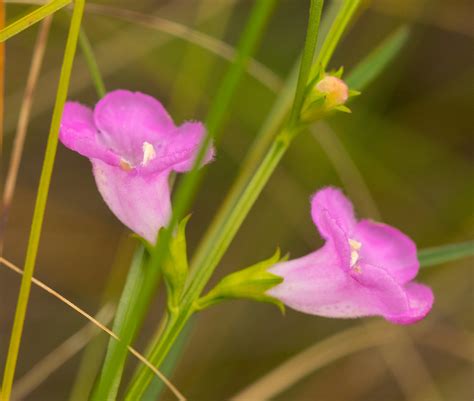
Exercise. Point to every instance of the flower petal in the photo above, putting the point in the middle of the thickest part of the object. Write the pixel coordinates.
(183, 146)
(141, 202)
(339, 208)
(127, 120)
(420, 299)
(78, 133)
(389, 248)
(314, 284)
(384, 296)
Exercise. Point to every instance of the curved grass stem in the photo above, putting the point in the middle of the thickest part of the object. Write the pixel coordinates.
(41, 200)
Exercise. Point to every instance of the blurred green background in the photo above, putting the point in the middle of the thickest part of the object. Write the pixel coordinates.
(409, 139)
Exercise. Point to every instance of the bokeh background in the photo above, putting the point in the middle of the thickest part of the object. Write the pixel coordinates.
(405, 154)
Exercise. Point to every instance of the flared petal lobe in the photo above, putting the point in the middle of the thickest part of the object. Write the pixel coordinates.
(332, 201)
(126, 120)
(78, 133)
(180, 149)
(388, 247)
(141, 202)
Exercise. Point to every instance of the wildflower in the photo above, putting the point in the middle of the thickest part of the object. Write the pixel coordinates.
(133, 145)
(364, 269)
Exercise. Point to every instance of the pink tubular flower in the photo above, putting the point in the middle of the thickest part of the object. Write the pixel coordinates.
(364, 269)
(133, 145)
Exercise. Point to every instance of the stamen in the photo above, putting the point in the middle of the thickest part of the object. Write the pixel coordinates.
(355, 247)
(148, 153)
(354, 257)
(125, 165)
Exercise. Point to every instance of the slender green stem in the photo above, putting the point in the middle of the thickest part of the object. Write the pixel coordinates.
(41, 200)
(201, 273)
(307, 59)
(91, 62)
(445, 253)
(131, 291)
(32, 18)
(247, 45)
(344, 16)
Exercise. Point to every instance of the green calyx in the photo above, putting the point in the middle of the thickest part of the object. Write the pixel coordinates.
(326, 93)
(250, 283)
(175, 268)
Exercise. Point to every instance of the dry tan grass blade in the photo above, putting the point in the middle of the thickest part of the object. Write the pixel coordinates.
(23, 121)
(104, 328)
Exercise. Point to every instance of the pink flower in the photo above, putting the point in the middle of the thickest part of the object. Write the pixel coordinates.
(364, 269)
(133, 145)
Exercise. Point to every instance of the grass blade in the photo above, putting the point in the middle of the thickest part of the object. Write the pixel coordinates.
(247, 45)
(445, 253)
(371, 66)
(41, 199)
(32, 18)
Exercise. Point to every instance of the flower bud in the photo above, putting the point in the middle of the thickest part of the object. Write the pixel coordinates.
(335, 90)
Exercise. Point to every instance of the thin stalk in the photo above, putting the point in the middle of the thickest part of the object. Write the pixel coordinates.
(3, 213)
(32, 18)
(41, 200)
(200, 274)
(22, 126)
(2, 88)
(133, 284)
(247, 45)
(92, 65)
(343, 18)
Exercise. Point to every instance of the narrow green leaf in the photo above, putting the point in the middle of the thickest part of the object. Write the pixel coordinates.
(109, 381)
(445, 253)
(260, 15)
(31, 19)
(340, 24)
(169, 364)
(372, 66)
(91, 62)
(41, 200)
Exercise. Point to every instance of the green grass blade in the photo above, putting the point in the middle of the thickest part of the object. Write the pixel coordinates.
(92, 65)
(41, 199)
(109, 381)
(372, 66)
(247, 45)
(342, 20)
(31, 18)
(307, 59)
(445, 253)
(157, 386)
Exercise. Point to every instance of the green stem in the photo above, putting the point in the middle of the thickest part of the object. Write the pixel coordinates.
(201, 273)
(31, 18)
(91, 62)
(445, 253)
(108, 385)
(344, 16)
(41, 200)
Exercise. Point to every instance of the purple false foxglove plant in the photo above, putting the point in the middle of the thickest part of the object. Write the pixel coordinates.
(364, 269)
(133, 146)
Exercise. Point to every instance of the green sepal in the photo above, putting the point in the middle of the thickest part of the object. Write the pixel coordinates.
(175, 269)
(353, 92)
(338, 73)
(250, 283)
(343, 108)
